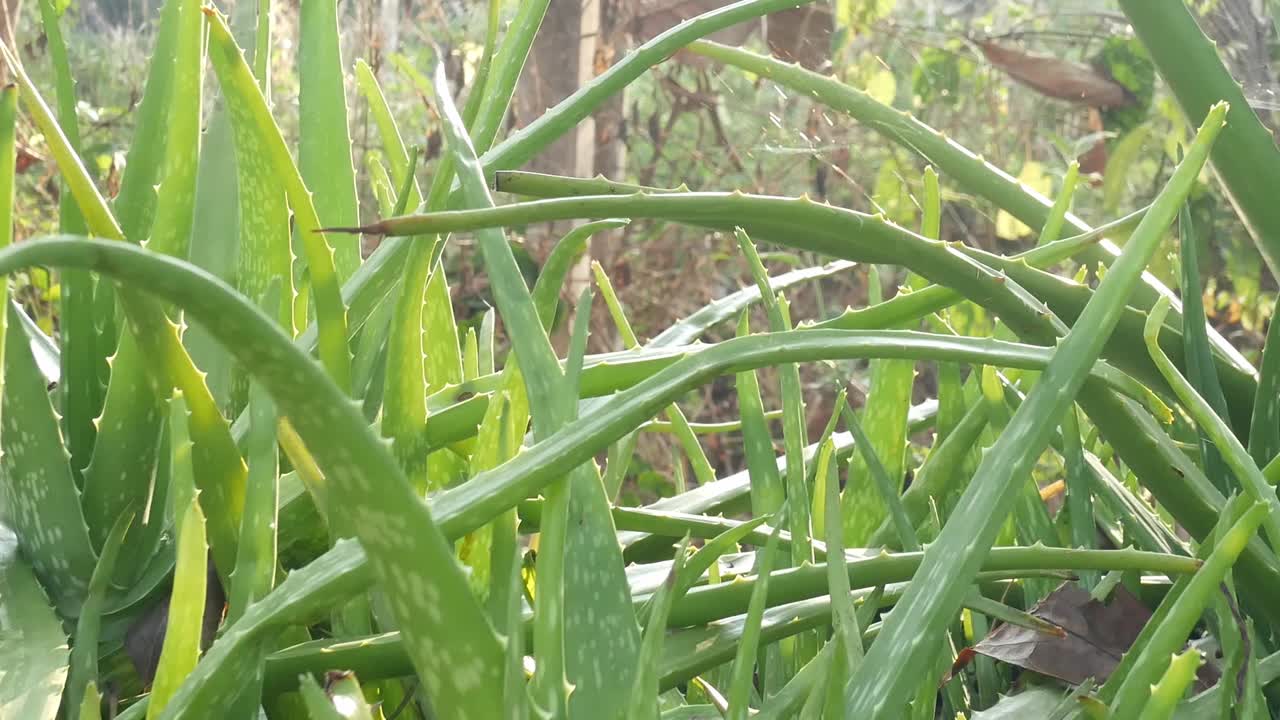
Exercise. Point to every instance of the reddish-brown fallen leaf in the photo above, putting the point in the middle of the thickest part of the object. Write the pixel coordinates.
(25, 160)
(1097, 635)
(1057, 78)
(1093, 162)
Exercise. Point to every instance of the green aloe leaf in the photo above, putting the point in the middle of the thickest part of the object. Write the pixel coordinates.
(219, 470)
(214, 246)
(968, 169)
(533, 184)
(644, 689)
(1052, 228)
(1264, 430)
(879, 686)
(84, 656)
(793, 423)
(33, 645)
(565, 254)
(767, 491)
(255, 571)
(1245, 157)
(184, 620)
(1233, 453)
(121, 474)
(264, 248)
(247, 104)
(378, 274)
(594, 590)
(523, 145)
(744, 660)
(81, 393)
(882, 483)
(1200, 369)
(486, 110)
(324, 150)
(1166, 694)
(135, 202)
(848, 634)
(864, 503)
(1182, 615)
(355, 461)
(40, 499)
(477, 93)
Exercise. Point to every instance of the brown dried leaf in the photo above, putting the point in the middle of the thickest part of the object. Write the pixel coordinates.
(1057, 78)
(1096, 635)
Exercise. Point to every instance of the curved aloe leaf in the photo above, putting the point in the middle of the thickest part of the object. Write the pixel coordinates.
(879, 687)
(33, 647)
(414, 565)
(1232, 452)
(970, 171)
(1068, 299)
(797, 601)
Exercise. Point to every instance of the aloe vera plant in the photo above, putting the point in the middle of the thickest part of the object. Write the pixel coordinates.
(402, 504)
